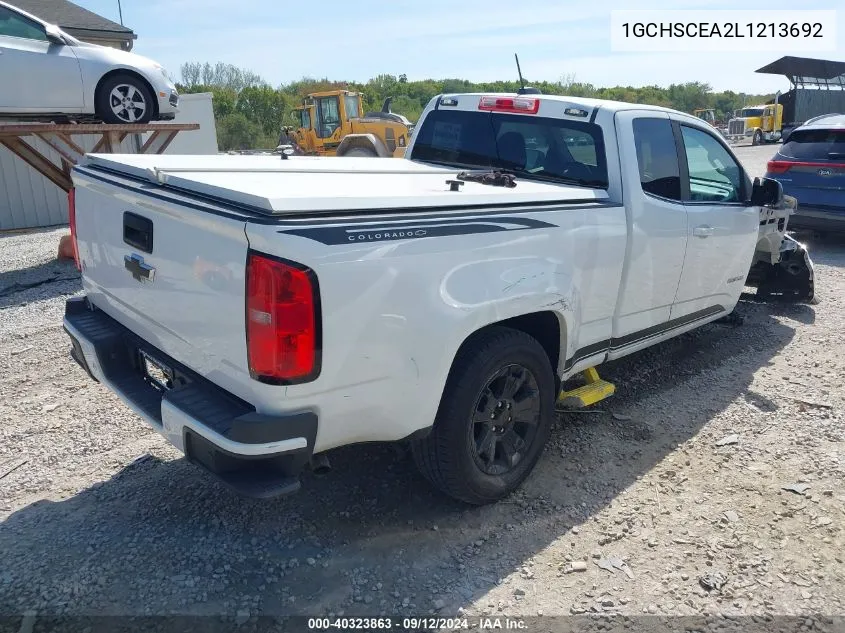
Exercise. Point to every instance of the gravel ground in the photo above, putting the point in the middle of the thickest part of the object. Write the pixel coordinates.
(671, 499)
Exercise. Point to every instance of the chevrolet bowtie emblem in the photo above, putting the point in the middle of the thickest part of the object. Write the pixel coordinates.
(140, 271)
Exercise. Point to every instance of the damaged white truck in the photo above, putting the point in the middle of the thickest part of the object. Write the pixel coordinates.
(258, 312)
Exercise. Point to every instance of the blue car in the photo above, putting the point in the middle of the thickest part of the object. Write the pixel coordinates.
(811, 167)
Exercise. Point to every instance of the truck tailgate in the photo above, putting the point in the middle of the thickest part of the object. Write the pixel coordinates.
(171, 273)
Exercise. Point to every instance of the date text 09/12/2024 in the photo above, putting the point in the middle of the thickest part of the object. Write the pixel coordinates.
(417, 624)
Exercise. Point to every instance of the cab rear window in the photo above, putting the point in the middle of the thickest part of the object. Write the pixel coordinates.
(815, 144)
(530, 145)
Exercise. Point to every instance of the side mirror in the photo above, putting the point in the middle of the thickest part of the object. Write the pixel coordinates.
(766, 193)
(54, 35)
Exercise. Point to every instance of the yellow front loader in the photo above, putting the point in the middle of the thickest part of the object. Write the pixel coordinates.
(333, 123)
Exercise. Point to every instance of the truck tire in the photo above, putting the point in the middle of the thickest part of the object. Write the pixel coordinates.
(494, 418)
(124, 98)
(361, 152)
(757, 139)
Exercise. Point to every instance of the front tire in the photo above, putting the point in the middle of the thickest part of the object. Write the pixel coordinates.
(361, 152)
(494, 419)
(758, 138)
(124, 99)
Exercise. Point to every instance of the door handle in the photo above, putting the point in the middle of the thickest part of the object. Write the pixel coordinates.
(703, 231)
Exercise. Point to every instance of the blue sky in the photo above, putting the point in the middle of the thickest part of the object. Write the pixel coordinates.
(283, 40)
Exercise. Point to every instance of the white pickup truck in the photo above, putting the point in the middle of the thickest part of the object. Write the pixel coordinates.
(259, 311)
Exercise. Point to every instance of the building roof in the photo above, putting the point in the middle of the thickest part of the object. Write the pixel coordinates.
(71, 17)
(807, 70)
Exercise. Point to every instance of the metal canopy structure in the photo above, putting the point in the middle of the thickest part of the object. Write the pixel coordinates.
(806, 72)
(58, 137)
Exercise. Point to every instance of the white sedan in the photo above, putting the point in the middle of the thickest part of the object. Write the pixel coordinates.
(44, 72)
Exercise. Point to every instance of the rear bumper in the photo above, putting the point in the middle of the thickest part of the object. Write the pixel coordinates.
(257, 455)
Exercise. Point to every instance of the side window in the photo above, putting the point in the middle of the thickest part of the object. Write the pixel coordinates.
(714, 176)
(657, 158)
(351, 104)
(14, 25)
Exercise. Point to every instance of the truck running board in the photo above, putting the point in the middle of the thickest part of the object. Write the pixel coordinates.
(595, 390)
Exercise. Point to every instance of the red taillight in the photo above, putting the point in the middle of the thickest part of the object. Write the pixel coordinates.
(782, 166)
(509, 104)
(71, 218)
(778, 166)
(282, 329)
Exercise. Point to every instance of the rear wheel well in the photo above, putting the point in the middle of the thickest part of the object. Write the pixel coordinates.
(542, 326)
(131, 73)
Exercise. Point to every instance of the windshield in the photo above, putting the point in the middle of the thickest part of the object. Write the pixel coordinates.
(752, 112)
(529, 146)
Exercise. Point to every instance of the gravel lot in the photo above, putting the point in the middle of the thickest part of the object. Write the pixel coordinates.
(676, 482)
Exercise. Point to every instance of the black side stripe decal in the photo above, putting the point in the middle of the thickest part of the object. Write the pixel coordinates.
(586, 352)
(641, 335)
(662, 328)
(333, 235)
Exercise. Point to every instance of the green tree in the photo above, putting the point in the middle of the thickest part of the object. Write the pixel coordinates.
(408, 106)
(690, 96)
(263, 106)
(249, 112)
(236, 132)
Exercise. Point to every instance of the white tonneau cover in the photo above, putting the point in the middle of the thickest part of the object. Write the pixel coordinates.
(271, 185)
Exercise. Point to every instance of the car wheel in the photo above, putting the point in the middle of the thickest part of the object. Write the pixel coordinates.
(494, 418)
(758, 138)
(124, 99)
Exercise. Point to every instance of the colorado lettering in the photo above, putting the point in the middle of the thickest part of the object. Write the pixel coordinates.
(386, 235)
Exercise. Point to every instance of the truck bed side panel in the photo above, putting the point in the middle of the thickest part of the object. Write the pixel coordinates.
(400, 295)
